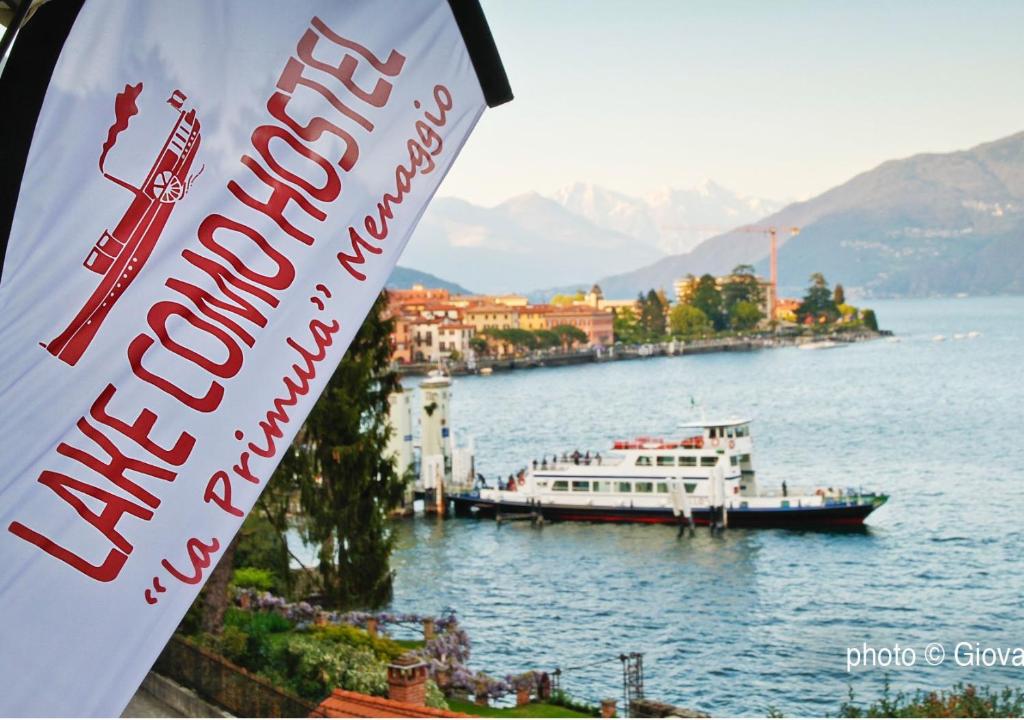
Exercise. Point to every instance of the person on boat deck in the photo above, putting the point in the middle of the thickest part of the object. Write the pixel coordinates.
(576, 456)
(544, 463)
(785, 489)
(597, 458)
(511, 483)
(535, 464)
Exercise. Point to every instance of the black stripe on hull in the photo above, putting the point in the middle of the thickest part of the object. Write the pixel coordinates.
(830, 516)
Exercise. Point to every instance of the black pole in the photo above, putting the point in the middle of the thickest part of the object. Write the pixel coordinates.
(12, 29)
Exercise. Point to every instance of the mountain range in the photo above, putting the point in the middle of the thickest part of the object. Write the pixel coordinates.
(929, 224)
(403, 278)
(672, 220)
(582, 233)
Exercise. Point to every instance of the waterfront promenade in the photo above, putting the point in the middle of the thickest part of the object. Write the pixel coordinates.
(557, 357)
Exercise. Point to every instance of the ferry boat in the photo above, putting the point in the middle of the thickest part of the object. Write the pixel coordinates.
(704, 478)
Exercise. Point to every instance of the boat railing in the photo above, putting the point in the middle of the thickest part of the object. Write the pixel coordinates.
(611, 460)
(829, 495)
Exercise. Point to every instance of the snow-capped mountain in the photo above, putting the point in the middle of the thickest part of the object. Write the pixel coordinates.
(671, 220)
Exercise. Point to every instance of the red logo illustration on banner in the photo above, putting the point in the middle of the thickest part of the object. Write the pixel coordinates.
(119, 254)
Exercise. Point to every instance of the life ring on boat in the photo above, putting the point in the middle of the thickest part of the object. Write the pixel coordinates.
(522, 481)
(714, 442)
(732, 444)
(700, 442)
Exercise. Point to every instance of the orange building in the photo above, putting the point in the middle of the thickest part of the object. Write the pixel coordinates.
(597, 324)
(417, 294)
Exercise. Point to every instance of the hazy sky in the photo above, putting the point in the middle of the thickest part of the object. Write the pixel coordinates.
(775, 99)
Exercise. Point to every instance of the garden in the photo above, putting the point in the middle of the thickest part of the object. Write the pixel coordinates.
(309, 651)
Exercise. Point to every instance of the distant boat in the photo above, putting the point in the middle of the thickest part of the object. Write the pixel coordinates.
(486, 371)
(959, 336)
(819, 345)
(974, 334)
(939, 338)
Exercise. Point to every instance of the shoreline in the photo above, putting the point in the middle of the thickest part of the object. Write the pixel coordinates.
(539, 359)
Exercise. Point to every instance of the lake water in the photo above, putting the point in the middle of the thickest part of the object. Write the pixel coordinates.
(756, 620)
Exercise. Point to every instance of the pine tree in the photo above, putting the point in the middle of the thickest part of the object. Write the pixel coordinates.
(839, 295)
(346, 484)
(708, 299)
(818, 301)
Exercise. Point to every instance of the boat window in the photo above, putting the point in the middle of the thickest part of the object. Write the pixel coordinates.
(690, 487)
(663, 488)
(666, 461)
(733, 460)
(785, 503)
(708, 461)
(645, 487)
(688, 461)
(714, 433)
(581, 486)
(624, 487)
(745, 458)
(602, 486)
(560, 485)
(730, 432)
(643, 460)
(742, 431)
(744, 504)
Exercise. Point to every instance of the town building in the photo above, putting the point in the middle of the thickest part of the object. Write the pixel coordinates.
(417, 294)
(534, 317)
(597, 324)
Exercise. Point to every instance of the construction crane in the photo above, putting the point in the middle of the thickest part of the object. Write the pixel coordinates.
(773, 233)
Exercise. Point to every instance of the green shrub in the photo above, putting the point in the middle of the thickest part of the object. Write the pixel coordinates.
(961, 701)
(256, 578)
(562, 699)
(315, 668)
(435, 698)
(233, 644)
(384, 647)
(256, 621)
(256, 628)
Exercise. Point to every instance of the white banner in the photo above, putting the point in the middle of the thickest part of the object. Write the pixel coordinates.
(215, 194)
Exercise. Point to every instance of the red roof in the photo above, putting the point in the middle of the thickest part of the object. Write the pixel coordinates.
(347, 704)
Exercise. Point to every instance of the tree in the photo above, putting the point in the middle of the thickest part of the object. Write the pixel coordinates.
(569, 335)
(479, 344)
(346, 482)
(839, 295)
(745, 315)
(867, 315)
(742, 286)
(708, 299)
(626, 327)
(520, 339)
(818, 301)
(652, 315)
(688, 321)
(546, 338)
(563, 300)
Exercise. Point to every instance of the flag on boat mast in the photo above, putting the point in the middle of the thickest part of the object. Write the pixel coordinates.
(199, 203)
